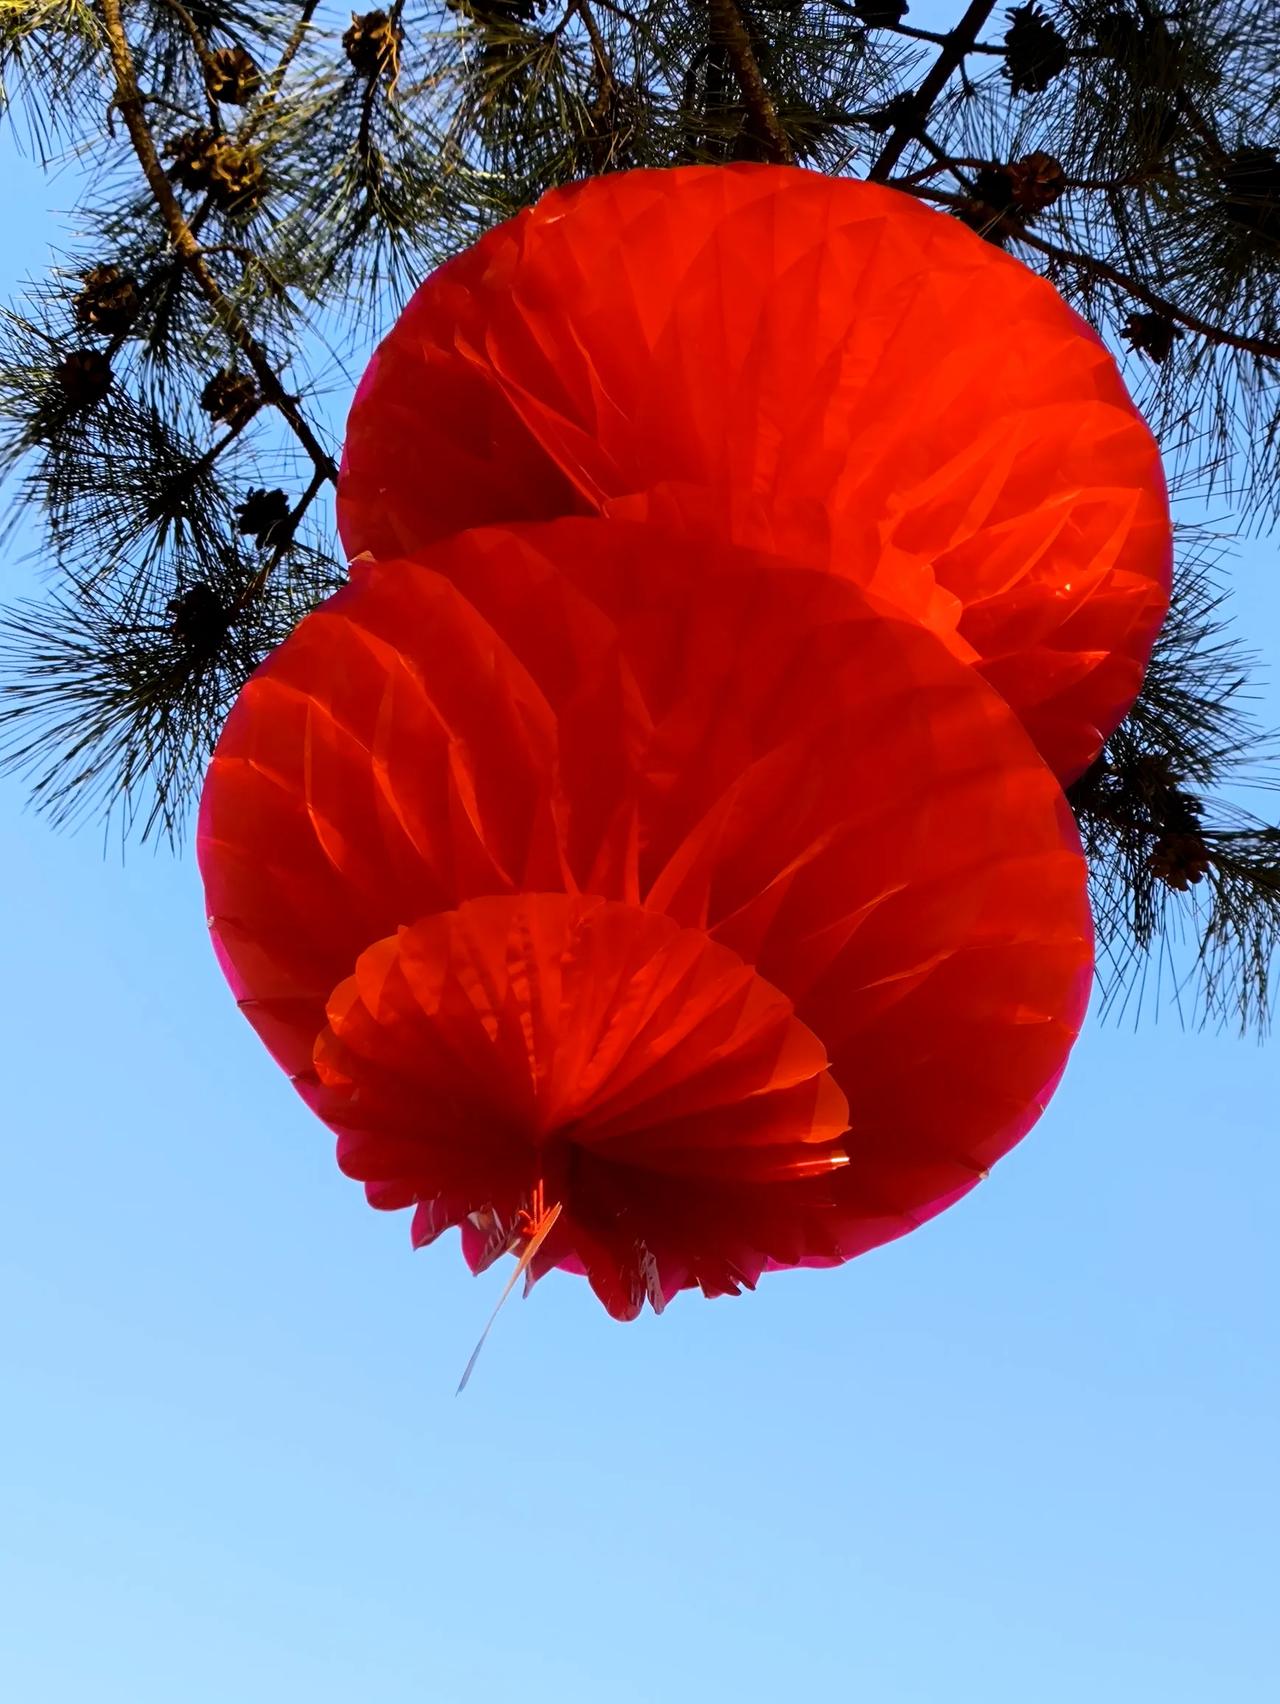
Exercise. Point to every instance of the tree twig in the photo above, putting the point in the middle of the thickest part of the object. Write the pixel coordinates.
(727, 22)
(128, 102)
(282, 542)
(956, 163)
(272, 86)
(936, 38)
(370, 155)
(599, 51)
(1192, 116)
(1264, 348)
(202, 54)
(958, 43)
(605, 93)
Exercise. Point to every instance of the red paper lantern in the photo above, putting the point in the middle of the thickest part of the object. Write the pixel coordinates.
(819, 367)
(687, 889)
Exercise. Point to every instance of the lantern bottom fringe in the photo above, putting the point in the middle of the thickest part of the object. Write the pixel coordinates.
(547, 1056)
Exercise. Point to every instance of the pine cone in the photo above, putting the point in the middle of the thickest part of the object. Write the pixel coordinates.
(991, 210)
(372, 43)
(190, 154)
(1180, 860)
(230, 397)
(1152, 335)
(1005, 196)
(902, 110)
(1034, 52)
(108, 300)
(198, 620)
(262, 515)
(231, 76)
(1252, 184)
(206, 160)
(1036, 181)
(1170, 808)
(1152, 777)
(84, 377)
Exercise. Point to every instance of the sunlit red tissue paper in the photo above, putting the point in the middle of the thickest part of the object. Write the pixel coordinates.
(811, 365)
(706, 894)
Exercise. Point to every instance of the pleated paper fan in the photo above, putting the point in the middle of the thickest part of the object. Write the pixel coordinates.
(594, 1055)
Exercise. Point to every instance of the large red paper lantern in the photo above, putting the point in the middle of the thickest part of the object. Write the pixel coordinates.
(689, 888)
(819, 367)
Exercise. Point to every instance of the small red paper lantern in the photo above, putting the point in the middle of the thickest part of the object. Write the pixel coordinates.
(686, 889)
(815, 366)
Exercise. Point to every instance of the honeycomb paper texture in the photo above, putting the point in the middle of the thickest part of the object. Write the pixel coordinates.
(809, 365)
(694, 888)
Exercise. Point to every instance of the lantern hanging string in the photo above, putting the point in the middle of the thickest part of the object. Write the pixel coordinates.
(540, 1222)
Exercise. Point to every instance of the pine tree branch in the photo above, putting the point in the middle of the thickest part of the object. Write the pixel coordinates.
(1193, 117)
(961, 41)
(202, 54)
(958, 163)
(1265, 349)
(280, 71)
(727, 22)
(128, 102)
(607, 89)
(599, 52)
(160, 101)
(365, 149)
(282, 541)
(251, 257)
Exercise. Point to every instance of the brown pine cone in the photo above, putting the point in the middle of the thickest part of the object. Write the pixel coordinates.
(1180, 860)
(262, 515)
(991, 210)
(231, 77)
(198, 621)
(372, 43)
(1152, 335)
(879, 14)
(230, 397)
(1036, 181)
(1251, 182)
(84, 377)
(207, 161)
(1034, 51)
(108, 300)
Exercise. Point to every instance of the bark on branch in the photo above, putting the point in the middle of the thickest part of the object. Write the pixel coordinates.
(129, 103)
(1265, 349)
(728, 24)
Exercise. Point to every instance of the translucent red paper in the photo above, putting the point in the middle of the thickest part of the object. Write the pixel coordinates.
(684, 885)
(818, 367)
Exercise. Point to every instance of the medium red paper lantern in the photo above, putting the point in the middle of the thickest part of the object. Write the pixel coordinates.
(810, 365)
(693, 892)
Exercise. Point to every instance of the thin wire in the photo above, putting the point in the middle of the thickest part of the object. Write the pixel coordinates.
(536, 1240)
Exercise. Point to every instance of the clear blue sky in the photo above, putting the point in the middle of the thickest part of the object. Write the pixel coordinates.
(1026, 1456)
